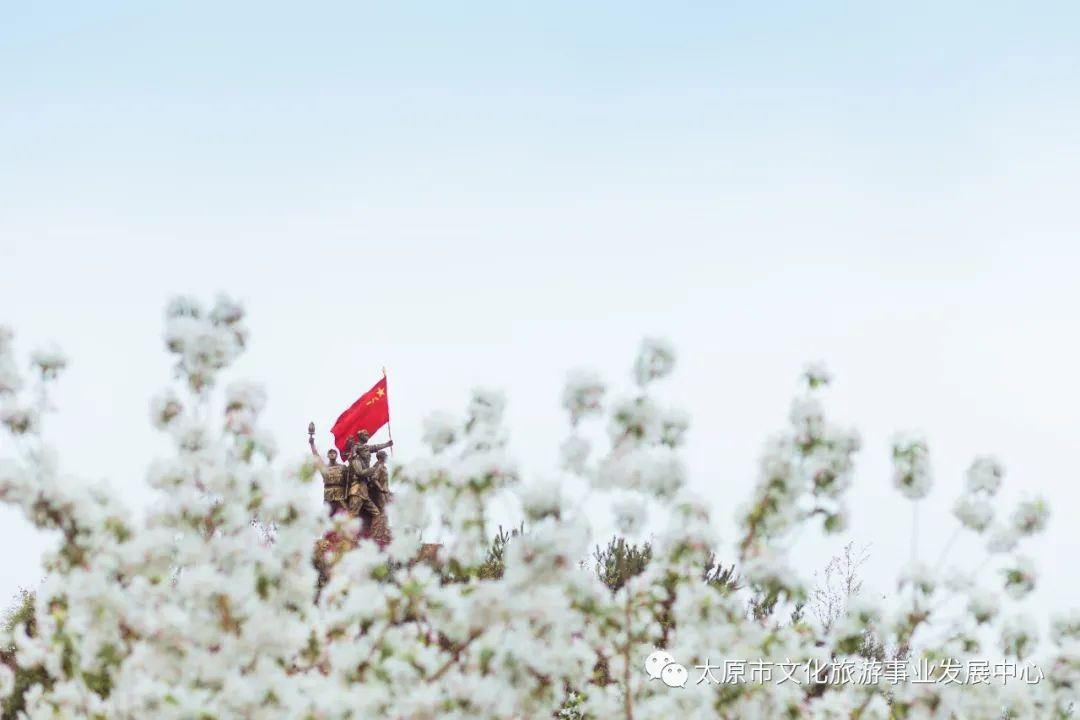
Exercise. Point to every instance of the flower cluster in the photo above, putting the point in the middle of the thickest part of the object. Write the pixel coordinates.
(804, 472)
(204, 341)
(655, 360)
(911, 467)
(211, 606)
(583, 394)
(18, 414)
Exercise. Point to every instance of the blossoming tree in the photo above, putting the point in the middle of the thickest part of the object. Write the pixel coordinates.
(206, 607)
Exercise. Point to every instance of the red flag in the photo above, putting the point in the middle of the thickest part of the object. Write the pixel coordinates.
(370, 413)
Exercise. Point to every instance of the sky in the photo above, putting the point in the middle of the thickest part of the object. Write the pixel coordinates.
(494, 193)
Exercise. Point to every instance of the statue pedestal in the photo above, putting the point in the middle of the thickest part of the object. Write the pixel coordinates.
(330, 548)
(429, 553)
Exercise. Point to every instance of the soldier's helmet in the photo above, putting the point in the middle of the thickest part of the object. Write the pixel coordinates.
(381, 455)
(362, 436)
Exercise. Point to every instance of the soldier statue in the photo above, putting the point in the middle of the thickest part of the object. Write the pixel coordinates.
(363, 450)
(359, 501)
(377, 479)
(333, 476)
(356, 486)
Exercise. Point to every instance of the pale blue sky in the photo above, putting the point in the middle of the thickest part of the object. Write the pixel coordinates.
(492, 193)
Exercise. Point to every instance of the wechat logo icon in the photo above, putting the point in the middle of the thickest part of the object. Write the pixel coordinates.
(661, 666)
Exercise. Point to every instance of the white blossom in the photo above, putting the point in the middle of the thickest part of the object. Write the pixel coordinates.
(653, 470)
(630, 514)
(164, 408)
(808, 419)
(771, 568)
(861, 615)
(655, 360)
(440, 431)
(1002, 539)
(837, 522)
(1020, 577)
(575, 454)
(7, 680)
(673, 426)
(911, 467)
(984, 607)
(226, 312)
(816, 374)
(10, 380)
(583, 394)
(635, 421)
(50, 361)
(183, 306)
(1066, 627)
(974, 512)
(486, 407)
(204, 344)
(985, 475)
(834, 706)
(959, 581)
(921, 577)
(243, 404)
(876, 708)
(1030, 517)
(1019, 634)
(19, 420)
(409, 510)
(541, 499)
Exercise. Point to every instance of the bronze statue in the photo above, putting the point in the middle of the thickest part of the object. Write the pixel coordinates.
(377, 479)
(355, 486)
(359, 500)
(333, 476)
(363, 450)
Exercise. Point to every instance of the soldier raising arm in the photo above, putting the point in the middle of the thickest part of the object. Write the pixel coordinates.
(363, 450)
(333, 475)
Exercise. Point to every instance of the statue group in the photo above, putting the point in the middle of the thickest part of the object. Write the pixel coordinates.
(357, 486)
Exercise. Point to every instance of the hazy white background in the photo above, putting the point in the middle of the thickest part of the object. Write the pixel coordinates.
(493, 193)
